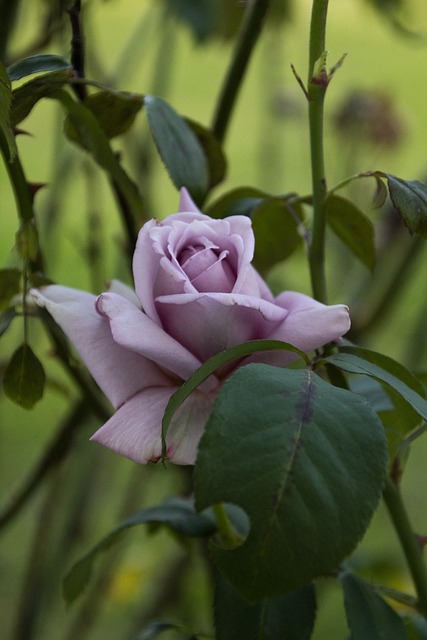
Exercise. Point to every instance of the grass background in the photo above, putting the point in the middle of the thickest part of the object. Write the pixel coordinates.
(267, 147)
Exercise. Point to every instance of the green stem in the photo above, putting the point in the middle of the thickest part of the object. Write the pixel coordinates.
(247, 39)
(408, 541)
(317, 84)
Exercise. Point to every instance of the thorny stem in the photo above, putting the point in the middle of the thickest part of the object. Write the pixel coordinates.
(408, 541)
(248, 37)
(77, 47)
(317, 85)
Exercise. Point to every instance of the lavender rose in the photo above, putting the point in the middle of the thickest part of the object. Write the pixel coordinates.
(196, 293)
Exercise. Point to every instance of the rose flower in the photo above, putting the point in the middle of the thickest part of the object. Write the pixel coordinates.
(196, 294)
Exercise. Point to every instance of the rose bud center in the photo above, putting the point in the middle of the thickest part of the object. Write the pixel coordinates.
(207, 268)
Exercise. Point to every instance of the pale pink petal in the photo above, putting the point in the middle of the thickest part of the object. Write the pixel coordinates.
(116, 286)
(309, 325)
(134, 431)
(133, 330)
(186, 203)
(119, 372)
(209, 323)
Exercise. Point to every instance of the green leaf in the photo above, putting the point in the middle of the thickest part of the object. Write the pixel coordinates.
(305, 460)
(276, 233)
(178, 146)
(5, 109)
(391, 374)
(176, 514)
(368, 615)
(239, 201)
(96, 142)
(409, 197)
(217, 164)
(24, 378)
(213, 364)
(27, 96)
(10, 280)
(37, 64)
(289, 616)
(198, 16)
(114, 111)
(353, 228)
(416, 627)
(5, 320)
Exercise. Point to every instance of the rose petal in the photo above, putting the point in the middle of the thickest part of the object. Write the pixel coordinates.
(309, 325)
(134, 430)
(186, 203)
(118, 372)
(211, 322)
(133, 330)
(116, 286)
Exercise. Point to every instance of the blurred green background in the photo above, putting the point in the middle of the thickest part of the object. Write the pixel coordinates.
(142, 46)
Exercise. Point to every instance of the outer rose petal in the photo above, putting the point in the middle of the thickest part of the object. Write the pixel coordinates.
(208, 323)
(118, 372)
(308, 325)
(133, 330)
(134, 430)
(186, 203)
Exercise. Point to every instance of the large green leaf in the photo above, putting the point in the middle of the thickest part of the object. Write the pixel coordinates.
(37, 64)
(289, 616)
(305, 460)
(5, 107)
(24, 378)
(352, 227)
(176, 514)
(178, 146)
(368, 615)
(213, 364)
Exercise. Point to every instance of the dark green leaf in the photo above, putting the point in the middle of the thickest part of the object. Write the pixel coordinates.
(5, 320)
(213, 364)
(215, 157)
(178, 146)
(24, 378)
(409, 197)
(115, 113)
(368, 615)
(416, 628)
(10, 280)
(289, 616)
(239, 201)
(353, 228)
(199, 16)
(391, 374)
(27, 96)
(276, 233)
(37, 64)
(5, 109)
(176, 514)
(95, 141)
(294, 452)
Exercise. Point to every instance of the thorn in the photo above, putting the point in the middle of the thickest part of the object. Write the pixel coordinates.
(35, 187)
(300, 82)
